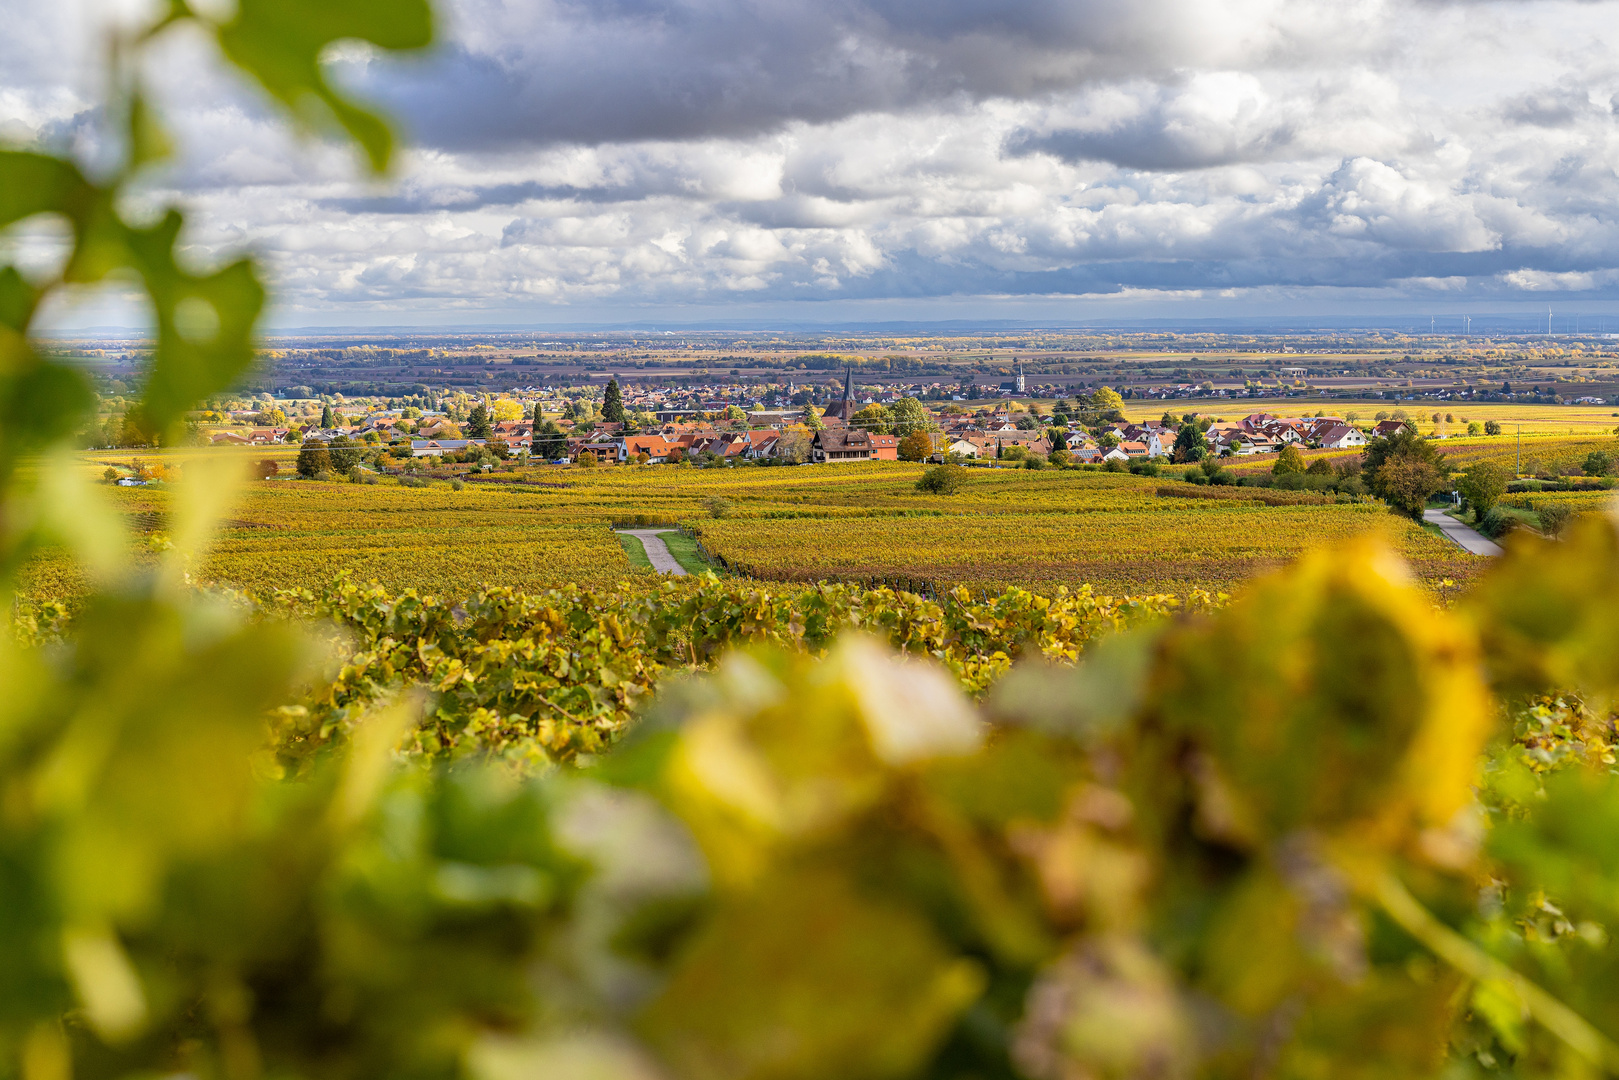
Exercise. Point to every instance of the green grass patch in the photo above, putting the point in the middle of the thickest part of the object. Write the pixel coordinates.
(684, 549)
(635, 551)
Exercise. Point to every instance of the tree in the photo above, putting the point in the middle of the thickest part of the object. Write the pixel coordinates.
(873, 418)
(1492, 427)
(313, 458)
(1319, 467)
(812, 419)
(794, 445)
(539, 414)
(1288, 461)
(736, 414)
(327, 420)
(1597, 463)
(1027, 422)
(910, 416)
(1190, 444)
(1407, 482)
(942, 480)
(1107, 400)
(1554, 519)
(344, 453)
(587, 460)
(549, 442)
(1482, 485)
(478, 422)
(613, 403)
(917, 446)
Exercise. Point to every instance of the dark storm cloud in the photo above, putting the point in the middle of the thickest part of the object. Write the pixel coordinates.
(627, 70)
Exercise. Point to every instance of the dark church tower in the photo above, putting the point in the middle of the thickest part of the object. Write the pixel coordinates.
(844, 409)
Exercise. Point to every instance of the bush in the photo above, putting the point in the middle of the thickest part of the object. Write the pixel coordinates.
(1034, 461)
(458, 484)
(1113, 465)
(719, 506)
(109, 474)
(1498, 522)
(1492, 427)
(942, 480)
(1144, 467)
(1597, 463)
(586, 460)
(265, 468)
(412, 482)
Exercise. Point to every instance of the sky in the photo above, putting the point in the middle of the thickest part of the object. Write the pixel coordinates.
(702, 160)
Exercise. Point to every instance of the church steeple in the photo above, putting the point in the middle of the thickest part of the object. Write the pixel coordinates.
(844, 409)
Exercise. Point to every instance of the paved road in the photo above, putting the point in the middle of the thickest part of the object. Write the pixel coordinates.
(657, 552)
(1469, 539)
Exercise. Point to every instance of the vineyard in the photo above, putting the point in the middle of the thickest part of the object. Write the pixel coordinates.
(1152, 545)
(288, 534)
(536, 529)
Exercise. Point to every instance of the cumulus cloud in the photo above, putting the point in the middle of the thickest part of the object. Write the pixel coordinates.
(615, 154)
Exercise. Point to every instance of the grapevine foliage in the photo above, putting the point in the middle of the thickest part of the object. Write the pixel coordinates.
(549, 676)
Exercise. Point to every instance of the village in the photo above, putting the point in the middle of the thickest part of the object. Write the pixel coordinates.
(784, 425)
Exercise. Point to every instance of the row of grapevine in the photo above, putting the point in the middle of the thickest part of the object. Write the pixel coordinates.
(548, 676)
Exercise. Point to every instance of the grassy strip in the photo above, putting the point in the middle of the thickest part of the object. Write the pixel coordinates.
(635, 551)
(684, 549)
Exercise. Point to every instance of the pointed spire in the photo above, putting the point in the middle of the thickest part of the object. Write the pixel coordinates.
(841, 409)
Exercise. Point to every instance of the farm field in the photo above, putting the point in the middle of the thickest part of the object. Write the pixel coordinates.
(1558, 454)
(1592, 420)
(541, 527)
